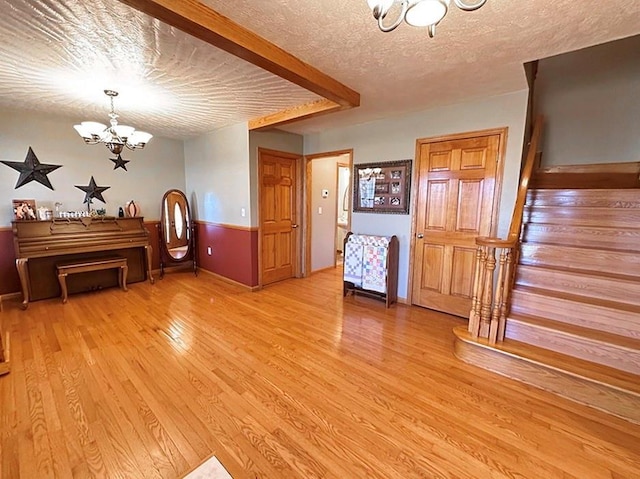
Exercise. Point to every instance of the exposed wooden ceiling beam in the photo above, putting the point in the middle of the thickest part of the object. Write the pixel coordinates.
(300, 112)
(206, 24)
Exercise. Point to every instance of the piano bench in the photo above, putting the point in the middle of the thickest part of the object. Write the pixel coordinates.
(97, 264)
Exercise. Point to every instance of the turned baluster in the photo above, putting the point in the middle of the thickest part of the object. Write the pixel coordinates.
(487, 296)
(474, 314)
(481, 273)
(506, 303)
(498, 302)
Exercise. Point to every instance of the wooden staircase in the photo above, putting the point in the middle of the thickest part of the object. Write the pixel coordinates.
(574, 321)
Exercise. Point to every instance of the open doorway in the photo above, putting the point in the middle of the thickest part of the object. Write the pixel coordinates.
(328, 217)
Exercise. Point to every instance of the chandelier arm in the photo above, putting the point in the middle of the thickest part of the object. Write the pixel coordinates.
(462, 5)
(394, 25)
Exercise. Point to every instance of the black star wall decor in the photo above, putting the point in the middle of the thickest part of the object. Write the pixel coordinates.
(32, 170)
(119, 163)
(93, 191)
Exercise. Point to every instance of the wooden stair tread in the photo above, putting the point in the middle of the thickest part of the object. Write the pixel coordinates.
(588, 315)
(560, 362)
(586, 209)
(588, 333)
(559, 243)
(579, 299)
(533, 253)
(590, 236)
(609, 286)
(615, 218)
(625, 278)
(606, 197)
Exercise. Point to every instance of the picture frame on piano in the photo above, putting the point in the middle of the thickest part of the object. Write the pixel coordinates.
(24, 210)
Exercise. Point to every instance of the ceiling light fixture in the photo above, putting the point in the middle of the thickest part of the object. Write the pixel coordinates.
(115, 136)
(418, 13)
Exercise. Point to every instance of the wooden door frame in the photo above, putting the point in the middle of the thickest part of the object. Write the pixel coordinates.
(335, 234)
(298, 208)
(307, 199)
(497, 192)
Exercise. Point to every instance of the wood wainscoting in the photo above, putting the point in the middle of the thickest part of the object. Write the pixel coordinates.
(292, 381)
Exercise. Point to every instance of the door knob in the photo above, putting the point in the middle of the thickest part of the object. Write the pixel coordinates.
(294, 226)
(420, 235)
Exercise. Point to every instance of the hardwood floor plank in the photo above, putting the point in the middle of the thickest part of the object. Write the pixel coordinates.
(26, 455)
(166, 453)
(293, 381)
(123, 422)
(76, 403)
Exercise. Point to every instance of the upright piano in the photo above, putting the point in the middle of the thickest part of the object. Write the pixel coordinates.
(40, 245)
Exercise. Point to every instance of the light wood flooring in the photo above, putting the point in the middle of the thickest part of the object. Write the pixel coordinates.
(289, 382)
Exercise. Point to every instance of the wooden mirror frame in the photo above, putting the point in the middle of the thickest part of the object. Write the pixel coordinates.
(167, 217)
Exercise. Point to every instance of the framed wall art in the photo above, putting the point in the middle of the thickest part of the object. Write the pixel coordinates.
(24, 210)
(382, 187)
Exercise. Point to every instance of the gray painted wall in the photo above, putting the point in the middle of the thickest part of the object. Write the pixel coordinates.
(395, 139)
(152, 171)
(591, 102)
(217, 175)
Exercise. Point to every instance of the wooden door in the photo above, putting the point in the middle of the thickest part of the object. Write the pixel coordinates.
(456, 188)
(278, 227)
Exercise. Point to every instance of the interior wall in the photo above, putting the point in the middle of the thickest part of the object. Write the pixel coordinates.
(218, 187)
(217, 175)
(395, 139)
(152, 171)
(323, 211)
(591, 103)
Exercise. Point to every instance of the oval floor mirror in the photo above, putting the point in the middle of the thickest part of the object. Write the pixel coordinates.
(177, 239)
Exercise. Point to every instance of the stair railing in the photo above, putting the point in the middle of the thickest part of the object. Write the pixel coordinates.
(490, 304)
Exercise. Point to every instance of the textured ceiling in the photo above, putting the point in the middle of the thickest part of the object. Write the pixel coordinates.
(58, 56)
(474, 54)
